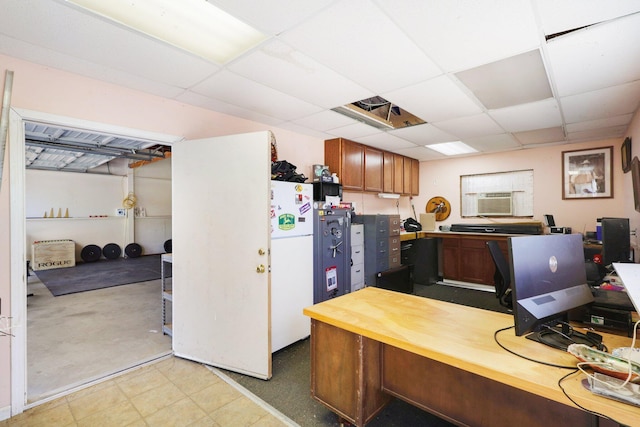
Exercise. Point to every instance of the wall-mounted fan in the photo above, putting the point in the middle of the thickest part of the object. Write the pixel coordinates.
(439, 206)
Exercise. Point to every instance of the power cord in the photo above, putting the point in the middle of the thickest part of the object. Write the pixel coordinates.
(495, 337)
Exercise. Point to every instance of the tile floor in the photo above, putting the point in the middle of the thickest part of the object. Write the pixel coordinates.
(170, 392)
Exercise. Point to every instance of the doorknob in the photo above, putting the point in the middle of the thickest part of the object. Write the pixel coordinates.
(260, 268)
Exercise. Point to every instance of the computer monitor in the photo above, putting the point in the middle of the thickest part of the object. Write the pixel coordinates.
(548, 279)
(616, 245)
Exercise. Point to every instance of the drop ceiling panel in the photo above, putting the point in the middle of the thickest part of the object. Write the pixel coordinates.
(596, 57)
(463, 34)
(378, 55)
(274, 16)
(434, 100)
(558, 16)
(516, 80)
(99, 42)
(541, 136)
(420, 153)
(423, 134)
(494, 143)
(236, 90)
(355, 130)
(536, 115)
(283, 68)
(386, 141)
(603, 103)
(470, 126)
(324, 121)
(600, 133)
(622, 120)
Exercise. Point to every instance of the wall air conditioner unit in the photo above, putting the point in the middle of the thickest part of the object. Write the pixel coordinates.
(495, 204)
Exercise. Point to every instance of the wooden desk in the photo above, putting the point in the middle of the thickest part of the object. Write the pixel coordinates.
(372, 344)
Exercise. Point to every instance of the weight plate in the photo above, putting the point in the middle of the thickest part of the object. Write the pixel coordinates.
(133, 250)
(168, 246)
(111, 251)
(91, 253)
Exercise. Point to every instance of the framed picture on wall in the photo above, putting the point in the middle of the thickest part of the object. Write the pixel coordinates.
(587, 174)
(625, 155)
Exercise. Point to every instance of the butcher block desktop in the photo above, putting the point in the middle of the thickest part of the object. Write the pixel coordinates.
(373, 344)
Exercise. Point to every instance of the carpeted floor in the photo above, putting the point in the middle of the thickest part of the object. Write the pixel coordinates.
(89, 276)
(289, 389)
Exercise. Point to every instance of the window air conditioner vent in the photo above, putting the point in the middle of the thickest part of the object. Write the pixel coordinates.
(495, 204)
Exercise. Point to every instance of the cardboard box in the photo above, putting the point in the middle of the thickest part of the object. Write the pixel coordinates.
(428, 221)
(48, 254)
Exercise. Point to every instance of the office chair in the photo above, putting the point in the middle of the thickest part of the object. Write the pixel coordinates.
(502, 276)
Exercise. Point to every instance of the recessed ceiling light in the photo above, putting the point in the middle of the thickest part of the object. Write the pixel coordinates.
(452, 148)
(196, 26)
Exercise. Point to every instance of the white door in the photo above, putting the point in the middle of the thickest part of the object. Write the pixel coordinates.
(221, 246)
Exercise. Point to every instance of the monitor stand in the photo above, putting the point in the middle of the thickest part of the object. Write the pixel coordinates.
(563, 335)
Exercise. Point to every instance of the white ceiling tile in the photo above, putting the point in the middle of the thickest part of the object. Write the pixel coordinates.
(283, 68)
(434, 100)
(237, 90)
(603, 103)
(511, 81)
(354, 131)
(420, 153)
(466, 127)
(596, 57)
(423, 134)
(324, 120)
(274, 16)
(535, 115)
(359, 41)
(99, 42)
(594, 134)
(493, 143)
(461, 34)
(386, 141)
(622, 120)
(558, 16)
(541, 136)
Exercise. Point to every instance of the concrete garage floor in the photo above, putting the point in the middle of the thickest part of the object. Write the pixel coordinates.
(77, 338)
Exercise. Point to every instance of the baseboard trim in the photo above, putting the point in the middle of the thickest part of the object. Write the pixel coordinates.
(5, 413)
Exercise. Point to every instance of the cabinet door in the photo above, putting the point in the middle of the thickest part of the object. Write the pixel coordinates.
(373, 172)
(387, 172)
(398, 171)
(473, 256)
(406, 176)
(415, 177)
(450, 257)
(352, 175)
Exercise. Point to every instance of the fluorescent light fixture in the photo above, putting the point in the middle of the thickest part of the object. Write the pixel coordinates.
(452, 148)
(388, 196)
(196, 26)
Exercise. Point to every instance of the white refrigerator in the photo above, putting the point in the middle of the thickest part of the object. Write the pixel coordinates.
(291, 261)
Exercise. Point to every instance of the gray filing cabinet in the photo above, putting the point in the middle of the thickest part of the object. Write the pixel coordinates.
(381, 244)
(357, 257)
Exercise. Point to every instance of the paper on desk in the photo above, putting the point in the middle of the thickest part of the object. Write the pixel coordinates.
(630, 275)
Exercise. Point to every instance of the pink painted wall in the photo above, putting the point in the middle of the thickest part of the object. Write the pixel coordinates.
(52, 91)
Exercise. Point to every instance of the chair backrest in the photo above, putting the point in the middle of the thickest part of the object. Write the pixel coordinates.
(502, 276)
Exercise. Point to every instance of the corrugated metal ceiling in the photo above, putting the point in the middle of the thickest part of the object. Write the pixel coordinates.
(54, 148)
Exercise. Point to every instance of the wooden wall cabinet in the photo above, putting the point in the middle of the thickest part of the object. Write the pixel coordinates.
(373, 169)
(387, 172)
(346, 158)
(364, 168)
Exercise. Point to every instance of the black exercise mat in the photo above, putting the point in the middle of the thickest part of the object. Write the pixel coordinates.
(89, 276)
